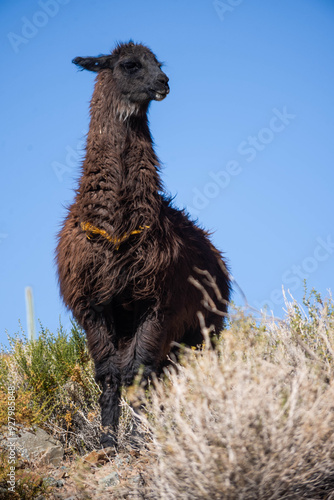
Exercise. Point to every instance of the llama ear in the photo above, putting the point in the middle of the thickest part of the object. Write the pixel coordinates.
(94, 63)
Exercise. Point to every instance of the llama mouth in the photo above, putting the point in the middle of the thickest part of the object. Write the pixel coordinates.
(160, 95)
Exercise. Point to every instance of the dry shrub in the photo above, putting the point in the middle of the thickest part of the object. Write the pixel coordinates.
(252, 419)
(28, 484)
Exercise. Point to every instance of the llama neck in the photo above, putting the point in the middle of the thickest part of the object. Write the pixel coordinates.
(120, 183)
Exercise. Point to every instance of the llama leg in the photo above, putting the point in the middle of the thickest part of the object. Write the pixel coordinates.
(192, 337)
(146, 350)
(109, 377)
(103, 352)
(144, 353)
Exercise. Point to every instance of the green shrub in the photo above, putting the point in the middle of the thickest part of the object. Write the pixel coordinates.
(55, 387)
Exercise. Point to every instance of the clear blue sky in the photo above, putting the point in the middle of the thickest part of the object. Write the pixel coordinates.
(245, 136)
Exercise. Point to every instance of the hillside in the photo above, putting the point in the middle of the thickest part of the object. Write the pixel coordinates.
(252, 419)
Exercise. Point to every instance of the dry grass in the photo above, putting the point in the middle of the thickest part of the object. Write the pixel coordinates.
(252, 419)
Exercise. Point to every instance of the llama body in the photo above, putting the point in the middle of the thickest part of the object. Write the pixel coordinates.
(125, 254)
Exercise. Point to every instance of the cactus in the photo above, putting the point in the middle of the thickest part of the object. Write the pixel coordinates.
(30, 313)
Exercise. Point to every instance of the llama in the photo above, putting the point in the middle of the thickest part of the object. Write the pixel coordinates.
(125, 254)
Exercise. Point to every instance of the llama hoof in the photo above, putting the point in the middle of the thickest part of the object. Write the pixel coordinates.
(137, 441)
(138, 437)
(108, 441)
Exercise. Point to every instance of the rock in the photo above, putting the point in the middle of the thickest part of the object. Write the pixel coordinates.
(49, 481)
(100, 456)
(60, 473)
(91, 458)
(110, 480)
(40, 447)
(120, 461)
(138, 480)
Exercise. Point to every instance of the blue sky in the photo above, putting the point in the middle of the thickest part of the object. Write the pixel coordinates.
(245, 136)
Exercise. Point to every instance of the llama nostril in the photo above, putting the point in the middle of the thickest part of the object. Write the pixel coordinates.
(164, 80)
(162, 86)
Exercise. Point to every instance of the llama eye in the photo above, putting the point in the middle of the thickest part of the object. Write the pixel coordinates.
(131, 66)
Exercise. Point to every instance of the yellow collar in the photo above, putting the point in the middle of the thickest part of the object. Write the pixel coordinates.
(89, 229)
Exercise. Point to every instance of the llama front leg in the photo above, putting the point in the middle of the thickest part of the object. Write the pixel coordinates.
(101, 346)
(109, 376)
(147, 350)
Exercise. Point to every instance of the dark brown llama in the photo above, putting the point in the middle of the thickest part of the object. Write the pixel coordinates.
(125, 254)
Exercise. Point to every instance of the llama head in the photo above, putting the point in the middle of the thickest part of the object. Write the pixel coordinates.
(136, 73)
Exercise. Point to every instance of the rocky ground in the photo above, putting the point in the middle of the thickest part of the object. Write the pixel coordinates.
(101, 474)
(96, 476)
